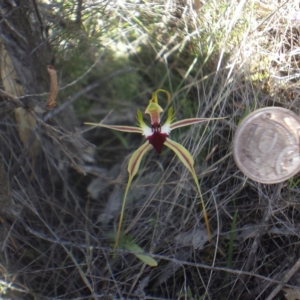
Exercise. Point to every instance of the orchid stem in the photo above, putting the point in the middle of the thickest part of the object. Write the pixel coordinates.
(203, 206)
(122, 212)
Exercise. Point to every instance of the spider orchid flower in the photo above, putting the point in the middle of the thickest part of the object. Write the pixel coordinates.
(157, 136)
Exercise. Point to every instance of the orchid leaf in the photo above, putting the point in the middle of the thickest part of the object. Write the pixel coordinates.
(118, 128)
(133, 167)
(188, 161)
(130, 245)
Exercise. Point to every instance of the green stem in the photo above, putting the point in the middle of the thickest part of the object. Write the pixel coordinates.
(203, 205)
(122, 213)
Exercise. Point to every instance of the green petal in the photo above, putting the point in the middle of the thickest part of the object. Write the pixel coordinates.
(171, 116)
(146, 130)
(140, 119)
(133, 167)
(187, 159)
(118, 127)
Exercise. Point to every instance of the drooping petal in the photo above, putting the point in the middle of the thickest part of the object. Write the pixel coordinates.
(187, 159)
(187, 122)
(182, 153)
(133, 167)
(135, 160)
(118, 127)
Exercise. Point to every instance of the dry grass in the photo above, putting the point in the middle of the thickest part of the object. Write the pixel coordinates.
(222, 60)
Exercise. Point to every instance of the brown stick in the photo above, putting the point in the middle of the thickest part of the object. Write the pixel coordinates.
(51, 103)
(285, 280)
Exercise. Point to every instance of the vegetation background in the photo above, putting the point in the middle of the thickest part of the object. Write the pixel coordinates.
(62, 183)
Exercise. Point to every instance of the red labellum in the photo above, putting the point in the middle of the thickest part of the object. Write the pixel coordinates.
(157, 139)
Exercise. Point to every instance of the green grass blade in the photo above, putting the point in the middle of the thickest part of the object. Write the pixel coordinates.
(231, 239)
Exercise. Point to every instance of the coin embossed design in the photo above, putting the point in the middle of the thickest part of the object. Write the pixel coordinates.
(266, 145)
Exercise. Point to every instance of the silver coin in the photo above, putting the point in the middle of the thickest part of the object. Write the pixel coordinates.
(266, 145)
